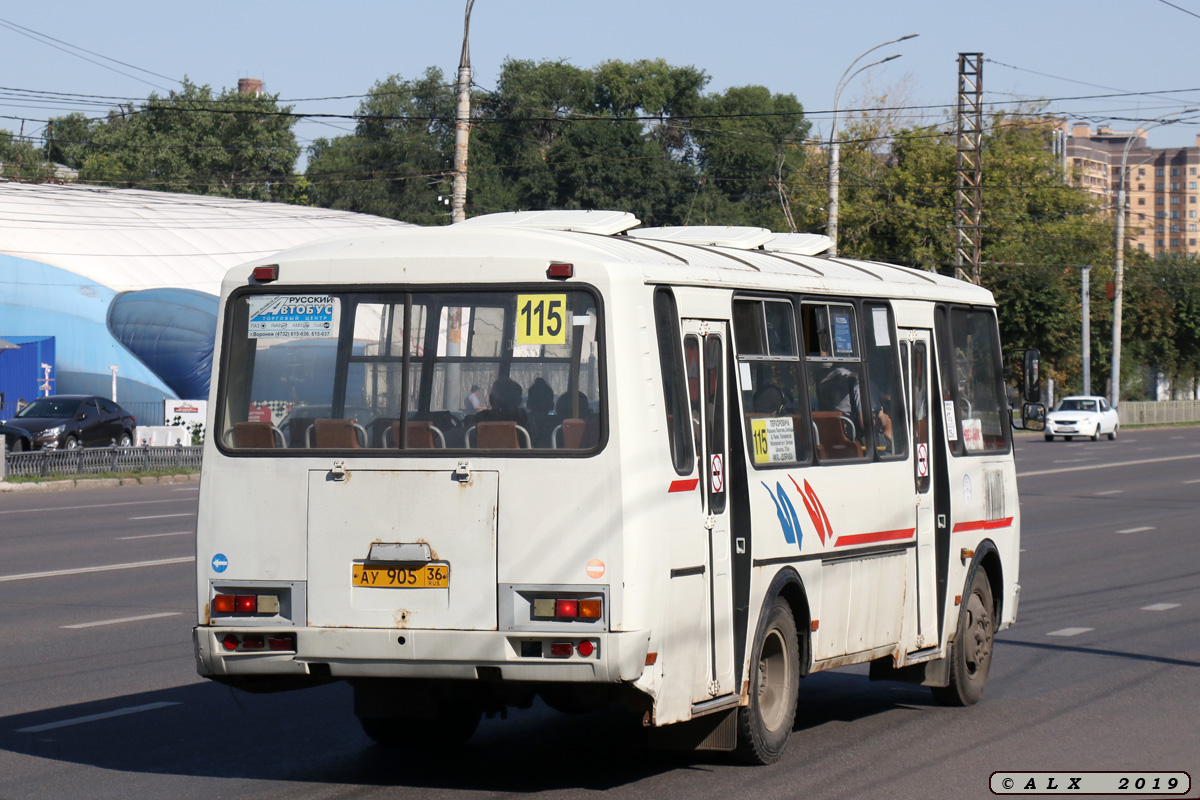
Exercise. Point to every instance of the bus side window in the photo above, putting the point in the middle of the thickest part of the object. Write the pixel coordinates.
(768, 359)
(887, 406)
(670, 357)
(835, 381)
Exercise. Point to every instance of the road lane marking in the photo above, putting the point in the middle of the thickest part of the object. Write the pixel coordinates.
(1142, 529)
(1195, 481)
(1035, 473)
(163, 516)
(93, 505)
(78, 625)
(153, 535)
(108, 567)
(1110, 491)
(120, 712)
(1070, 631)
(1160, 607)
(1073, 460)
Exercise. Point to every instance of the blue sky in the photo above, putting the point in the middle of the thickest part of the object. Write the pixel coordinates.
(1052, 49)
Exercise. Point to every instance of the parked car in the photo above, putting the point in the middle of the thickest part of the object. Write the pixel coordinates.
(68, 421)
(1082, 415)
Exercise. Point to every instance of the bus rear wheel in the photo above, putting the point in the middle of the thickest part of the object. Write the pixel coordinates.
(765, 725)
(973, 643)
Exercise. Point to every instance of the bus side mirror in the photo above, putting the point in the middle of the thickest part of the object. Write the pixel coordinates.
(1033, 417)
(1033, 383)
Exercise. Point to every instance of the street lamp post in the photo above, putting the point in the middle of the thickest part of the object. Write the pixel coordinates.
(1119, 257)
(835, 145)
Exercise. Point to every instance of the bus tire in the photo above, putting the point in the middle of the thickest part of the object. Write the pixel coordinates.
(453, 727)
(766, 723)
(973, 644)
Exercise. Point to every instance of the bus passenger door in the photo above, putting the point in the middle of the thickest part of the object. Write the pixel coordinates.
(918, 383)
(704, 352)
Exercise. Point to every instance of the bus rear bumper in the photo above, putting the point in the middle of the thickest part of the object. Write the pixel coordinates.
(603, 657)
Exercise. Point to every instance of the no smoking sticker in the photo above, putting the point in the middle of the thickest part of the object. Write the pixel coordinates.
(718, 474)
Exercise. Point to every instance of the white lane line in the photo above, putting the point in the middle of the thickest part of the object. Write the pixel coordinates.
(132, 565)
(1070, 631)
(1195, 481)
(163, 516)
(153, 536)
(1106, 466)
(122, 619)
(1176, 437)
(1160, 607)
(187, 489)
(120, 712)
(1142, 529)
(1110, 491)
(1073, 460)
(93, 505)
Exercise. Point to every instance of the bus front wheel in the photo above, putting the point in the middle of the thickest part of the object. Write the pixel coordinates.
(765, 725)
(972, 651)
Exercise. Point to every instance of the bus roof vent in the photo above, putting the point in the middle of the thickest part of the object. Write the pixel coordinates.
(800, 244)
(741, 238)
(604, 223)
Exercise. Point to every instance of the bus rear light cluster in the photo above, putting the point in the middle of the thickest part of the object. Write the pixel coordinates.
(250, 642)
(233, 604)
(567, 649)
(567, 608)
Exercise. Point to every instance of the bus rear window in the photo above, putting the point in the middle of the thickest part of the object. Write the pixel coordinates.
(502, 371)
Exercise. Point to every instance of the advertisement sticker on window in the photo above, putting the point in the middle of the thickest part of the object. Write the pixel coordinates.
(303, 316)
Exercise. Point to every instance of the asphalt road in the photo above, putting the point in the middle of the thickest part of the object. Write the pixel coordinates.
(99, 697)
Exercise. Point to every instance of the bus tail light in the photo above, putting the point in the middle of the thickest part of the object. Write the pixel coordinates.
(233, 604)
(567, 607)
(586, 648)
(233, 643)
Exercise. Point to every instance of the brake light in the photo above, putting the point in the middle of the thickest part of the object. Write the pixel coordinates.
(247, 604)
(566, 608)
(266, 274)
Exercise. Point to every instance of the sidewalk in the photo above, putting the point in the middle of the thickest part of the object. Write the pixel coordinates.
(67, 484)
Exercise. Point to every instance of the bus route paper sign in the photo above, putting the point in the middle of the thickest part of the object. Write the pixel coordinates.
(774, 440)
(304, 316)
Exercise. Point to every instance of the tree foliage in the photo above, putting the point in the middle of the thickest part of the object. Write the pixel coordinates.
(193, 141)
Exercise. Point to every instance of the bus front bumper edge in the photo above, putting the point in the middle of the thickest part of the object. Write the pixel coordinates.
(408, 653)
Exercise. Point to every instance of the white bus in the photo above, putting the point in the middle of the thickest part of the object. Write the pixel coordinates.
(551, 454)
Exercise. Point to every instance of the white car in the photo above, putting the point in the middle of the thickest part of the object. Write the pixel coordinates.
(1082, 415)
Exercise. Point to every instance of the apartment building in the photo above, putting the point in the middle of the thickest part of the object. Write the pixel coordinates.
(1162, 190)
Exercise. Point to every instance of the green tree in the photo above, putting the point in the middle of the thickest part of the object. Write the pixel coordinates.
(21, 160)
(399, 158)
(194, 141)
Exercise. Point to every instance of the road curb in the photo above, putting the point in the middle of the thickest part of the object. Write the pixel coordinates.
(69, 484)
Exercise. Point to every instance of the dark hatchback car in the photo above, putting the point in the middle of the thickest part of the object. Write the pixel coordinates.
(67, 421)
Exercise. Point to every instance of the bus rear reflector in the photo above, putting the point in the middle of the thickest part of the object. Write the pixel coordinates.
(253, 643)
(561, 649)
(267, 273)
(230, 642)
(586, 648)
(285, 642)
(560, 271)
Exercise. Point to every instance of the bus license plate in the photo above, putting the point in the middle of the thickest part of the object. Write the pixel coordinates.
(423, 576)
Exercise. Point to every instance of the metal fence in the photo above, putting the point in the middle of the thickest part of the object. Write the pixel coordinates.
(1161, 412)
(99, 460)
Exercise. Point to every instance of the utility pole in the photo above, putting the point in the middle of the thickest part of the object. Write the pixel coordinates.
(1086, 313)
(968, 195)
(462, 127)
